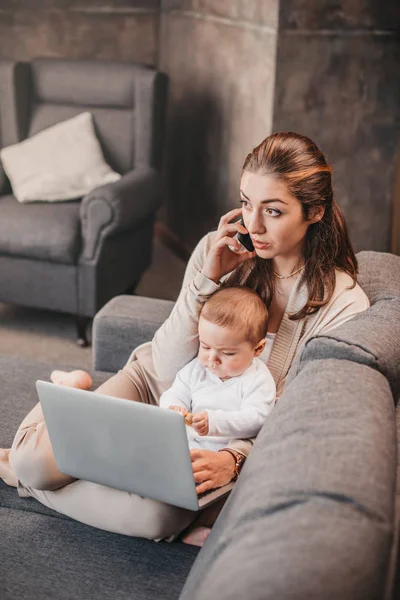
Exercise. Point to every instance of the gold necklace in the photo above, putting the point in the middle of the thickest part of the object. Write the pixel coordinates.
(290, 275)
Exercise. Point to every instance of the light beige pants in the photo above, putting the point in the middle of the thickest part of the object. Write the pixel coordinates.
(32, 461)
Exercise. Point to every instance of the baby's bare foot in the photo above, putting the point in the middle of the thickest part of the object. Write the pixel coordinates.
(76, 379)
(5, 470)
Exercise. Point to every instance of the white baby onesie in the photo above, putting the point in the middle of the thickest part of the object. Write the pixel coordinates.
(237, 407)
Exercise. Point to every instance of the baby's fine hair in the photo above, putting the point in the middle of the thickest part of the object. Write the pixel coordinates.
(240, 309)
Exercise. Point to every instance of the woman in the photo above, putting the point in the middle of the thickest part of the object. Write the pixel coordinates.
(305, 270)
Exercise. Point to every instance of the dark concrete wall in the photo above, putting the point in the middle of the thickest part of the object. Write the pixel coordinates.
(338, 81)
(103, 29)
(220, 57)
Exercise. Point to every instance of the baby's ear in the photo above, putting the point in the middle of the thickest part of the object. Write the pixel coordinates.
(260, 347)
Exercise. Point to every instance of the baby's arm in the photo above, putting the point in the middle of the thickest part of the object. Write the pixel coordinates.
(179, 395)
(246, 423)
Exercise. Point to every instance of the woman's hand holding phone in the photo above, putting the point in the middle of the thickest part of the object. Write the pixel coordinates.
(220, 259)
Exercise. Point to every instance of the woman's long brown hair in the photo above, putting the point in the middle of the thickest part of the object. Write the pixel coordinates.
(300, 164)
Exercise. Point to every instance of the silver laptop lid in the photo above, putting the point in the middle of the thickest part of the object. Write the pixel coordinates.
(119, 443)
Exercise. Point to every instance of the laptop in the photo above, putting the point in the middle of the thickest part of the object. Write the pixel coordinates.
(122, 444)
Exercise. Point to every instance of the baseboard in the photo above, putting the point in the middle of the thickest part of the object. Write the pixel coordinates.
(165, 235)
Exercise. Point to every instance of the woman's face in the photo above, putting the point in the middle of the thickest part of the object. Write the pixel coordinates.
(272, 216)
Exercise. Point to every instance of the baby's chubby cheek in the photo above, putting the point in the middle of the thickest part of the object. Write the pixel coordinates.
(236, 368)
(232, 370)
(203, 360)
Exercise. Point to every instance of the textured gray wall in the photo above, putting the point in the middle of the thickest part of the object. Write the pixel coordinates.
(338, 81)
(220, 57)
(103, 29)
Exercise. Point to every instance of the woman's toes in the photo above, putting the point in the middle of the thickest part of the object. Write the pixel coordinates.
(81, 379)
(6, 473)
(197, 536)
(76, 379)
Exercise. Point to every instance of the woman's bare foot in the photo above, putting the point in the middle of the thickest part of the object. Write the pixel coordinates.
(196, 536)
(5, 470)
(76, 379)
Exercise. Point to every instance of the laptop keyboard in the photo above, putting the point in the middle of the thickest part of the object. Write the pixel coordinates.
(206, 493)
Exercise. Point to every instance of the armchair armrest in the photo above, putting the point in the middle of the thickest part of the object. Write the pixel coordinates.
(121, 325)
(118, 206)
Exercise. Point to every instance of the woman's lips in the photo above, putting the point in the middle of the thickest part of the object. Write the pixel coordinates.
(259, 245)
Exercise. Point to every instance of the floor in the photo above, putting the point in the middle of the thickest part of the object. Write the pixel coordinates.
(51, 337)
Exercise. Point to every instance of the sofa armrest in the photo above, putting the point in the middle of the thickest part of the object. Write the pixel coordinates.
(312, 514)
(121, 325)
(118, 206)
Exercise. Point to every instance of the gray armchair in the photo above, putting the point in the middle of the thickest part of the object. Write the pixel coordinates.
(74, 256)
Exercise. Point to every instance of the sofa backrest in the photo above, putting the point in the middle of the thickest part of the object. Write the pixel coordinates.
(127, 102)
(372, 337)
(13, 82)
(379, 275)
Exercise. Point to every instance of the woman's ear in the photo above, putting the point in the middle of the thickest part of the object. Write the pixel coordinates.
(260, 347)
(316, 214)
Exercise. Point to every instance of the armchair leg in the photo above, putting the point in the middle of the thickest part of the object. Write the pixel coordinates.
(81, 326)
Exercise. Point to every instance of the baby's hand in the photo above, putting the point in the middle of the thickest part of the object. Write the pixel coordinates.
(180, 409)
(200, 423)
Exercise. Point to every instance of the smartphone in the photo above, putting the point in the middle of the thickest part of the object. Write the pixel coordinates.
(245, 239)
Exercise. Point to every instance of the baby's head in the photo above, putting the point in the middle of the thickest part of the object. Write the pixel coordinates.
(232, 329)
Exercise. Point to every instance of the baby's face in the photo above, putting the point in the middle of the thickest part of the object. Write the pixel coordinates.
(223, 351)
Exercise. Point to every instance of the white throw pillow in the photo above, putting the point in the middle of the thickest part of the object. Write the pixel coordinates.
(62, 162)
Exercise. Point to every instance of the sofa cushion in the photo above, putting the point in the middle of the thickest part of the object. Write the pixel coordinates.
(41, 231)
(62, 162)
(17, 396)
(18, 392)
(312, 515)
(47, 555)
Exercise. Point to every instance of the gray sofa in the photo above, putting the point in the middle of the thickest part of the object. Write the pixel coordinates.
(74, 256)
(314, 514)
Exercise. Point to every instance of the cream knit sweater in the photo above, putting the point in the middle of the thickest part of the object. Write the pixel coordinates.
(176, 341)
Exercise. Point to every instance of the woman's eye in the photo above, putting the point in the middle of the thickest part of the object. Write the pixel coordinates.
(244, 203)
(273, 212)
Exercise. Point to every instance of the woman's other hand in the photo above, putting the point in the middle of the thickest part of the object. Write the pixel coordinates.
(200, 423)
(180, 409)
(212, 469)
(220, 259)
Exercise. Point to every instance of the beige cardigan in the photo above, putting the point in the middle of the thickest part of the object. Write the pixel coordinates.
(176, 341)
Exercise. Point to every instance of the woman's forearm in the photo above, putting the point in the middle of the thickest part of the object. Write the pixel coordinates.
(242, 446)
(176, 341)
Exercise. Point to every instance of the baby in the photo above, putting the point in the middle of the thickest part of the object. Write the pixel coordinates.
(226, 392)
